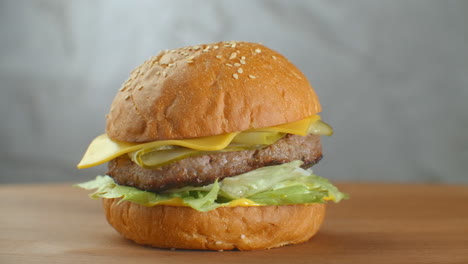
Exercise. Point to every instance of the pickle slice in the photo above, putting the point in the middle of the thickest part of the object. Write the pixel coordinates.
(149, 159)
(258, 137)
(320, 128)
(154, 158)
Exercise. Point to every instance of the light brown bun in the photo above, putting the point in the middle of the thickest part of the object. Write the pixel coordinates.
(209, 89)
(225, 228)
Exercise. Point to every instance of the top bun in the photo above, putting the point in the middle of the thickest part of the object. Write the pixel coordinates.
(207, 90)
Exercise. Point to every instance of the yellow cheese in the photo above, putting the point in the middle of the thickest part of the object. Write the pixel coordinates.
(300, 127)
(238, 202)
(103, 149)
(242, 202)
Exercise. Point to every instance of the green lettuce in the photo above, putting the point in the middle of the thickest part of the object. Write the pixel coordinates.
(273, 185)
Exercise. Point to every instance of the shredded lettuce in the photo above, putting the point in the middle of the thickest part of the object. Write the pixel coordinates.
(273, 185)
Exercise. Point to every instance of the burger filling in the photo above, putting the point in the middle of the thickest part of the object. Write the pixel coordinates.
(268, 166)
(205, 169)
(272, 185)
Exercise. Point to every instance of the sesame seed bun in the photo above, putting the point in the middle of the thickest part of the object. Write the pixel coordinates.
(209, 90)
(225, 228)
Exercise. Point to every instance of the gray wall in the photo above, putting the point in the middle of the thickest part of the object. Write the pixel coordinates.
(392, 77)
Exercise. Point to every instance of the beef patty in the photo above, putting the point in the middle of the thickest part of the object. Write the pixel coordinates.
(203, 170)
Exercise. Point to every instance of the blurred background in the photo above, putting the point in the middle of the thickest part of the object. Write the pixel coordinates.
(392, 77)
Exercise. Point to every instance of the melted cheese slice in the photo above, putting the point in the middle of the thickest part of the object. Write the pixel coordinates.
(300, 127)
(103, 149)
(242, 202)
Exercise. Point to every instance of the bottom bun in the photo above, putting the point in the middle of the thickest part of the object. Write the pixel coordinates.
(225, 228)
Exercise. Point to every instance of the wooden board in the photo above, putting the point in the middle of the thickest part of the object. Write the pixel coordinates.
(381, 223)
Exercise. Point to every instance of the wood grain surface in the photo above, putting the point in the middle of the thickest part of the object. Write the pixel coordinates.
(381, 223)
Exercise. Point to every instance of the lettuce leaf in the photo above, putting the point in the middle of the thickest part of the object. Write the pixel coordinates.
(296, 194)
(273, 185)
(261, 180)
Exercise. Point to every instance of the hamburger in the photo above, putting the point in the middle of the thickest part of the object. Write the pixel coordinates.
(209, 147)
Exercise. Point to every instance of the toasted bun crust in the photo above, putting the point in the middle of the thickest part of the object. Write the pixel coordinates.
(225, 228)
(209, 90)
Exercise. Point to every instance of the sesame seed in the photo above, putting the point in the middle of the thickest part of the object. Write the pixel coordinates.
(252, 77)
(238, 51)
(237, 64)
(196, 47)
(242, 61)
(228, 64)
(140, 87)
(127, 97)
(173, 51)
(240, 70)
(190, 59)
(243, 58)
(215, 47)
(170, 64)
(164, 74)
(219, 56)
(235, 76)
(233, 45)
(233, 55)
(274, 57)
(218, 242)
(242, 236)
(258, 50)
